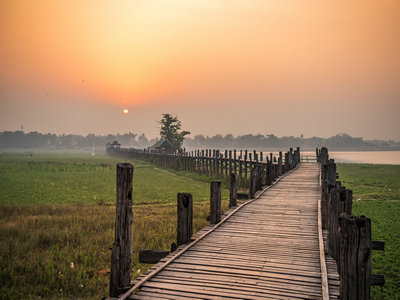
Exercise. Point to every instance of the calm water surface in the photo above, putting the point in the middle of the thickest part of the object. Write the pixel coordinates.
(367, 157)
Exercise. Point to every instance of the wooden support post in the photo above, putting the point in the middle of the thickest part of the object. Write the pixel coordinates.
(334, 210)
(207, 160)
(217, 162)
(230, 161)
(245, 168)
(234, 162)
(233, 191)
(328, 179)
(221, 161)
(215, 202)
(185, 218)
(226, 163)
(298, 155)
(323, 156)
(240, 178)
(252, 185)
(198, 161)
(209, 163)
(355, 257)
(214, 163)
(346, 199)
(287, 166)
(121, 257)
(202, 162)
(259, 177)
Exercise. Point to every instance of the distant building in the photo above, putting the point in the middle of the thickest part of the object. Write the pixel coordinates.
(163, 146)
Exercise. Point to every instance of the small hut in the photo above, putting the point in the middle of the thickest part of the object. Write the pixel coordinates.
(162, 146)
(113, 146)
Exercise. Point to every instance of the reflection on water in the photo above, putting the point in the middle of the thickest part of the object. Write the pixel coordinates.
(368, 157)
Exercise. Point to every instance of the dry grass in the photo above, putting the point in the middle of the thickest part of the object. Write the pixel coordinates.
(63, 251)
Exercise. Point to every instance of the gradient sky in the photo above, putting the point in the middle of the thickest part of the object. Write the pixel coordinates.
(285, 67)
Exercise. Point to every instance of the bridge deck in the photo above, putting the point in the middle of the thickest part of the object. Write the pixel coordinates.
(267, 249)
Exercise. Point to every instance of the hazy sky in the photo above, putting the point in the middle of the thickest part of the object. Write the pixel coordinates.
(287, 67)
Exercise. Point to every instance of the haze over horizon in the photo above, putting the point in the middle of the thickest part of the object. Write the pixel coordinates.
(308, 67)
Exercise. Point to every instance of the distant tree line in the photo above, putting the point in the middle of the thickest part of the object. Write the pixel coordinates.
(22, 140)
(19, 139)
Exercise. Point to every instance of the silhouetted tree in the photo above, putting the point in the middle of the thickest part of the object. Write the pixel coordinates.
(170, 126)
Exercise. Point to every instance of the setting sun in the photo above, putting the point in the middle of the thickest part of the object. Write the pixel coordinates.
(125, 111)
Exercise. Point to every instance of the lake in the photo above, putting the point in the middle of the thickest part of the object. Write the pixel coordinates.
(367, 157)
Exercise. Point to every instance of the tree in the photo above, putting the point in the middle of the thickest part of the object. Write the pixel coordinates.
(170, 126)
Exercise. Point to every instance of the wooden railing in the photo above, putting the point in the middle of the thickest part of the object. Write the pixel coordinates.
(219, 164)
(348, 237)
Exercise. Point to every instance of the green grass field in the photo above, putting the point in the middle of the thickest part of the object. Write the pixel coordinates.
(57, 211)
(376, 194)
(57, 220)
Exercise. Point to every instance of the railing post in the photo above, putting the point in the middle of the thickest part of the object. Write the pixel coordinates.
(252, 185)
(121, 257)
(226, 163)
(230, 161)
(234, 162)
(355, 257)
(215, 202)
(328, 179)
(287, 166)
(334, 210)
(245, 168)
(185, 218)
(233, 191)
(323, 156)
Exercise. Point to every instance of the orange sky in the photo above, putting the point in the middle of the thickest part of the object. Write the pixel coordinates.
(66, 66)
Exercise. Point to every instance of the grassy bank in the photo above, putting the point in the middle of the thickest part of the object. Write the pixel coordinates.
(57, 219)
(376, 193)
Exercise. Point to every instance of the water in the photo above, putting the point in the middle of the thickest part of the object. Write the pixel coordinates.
(366, 157)
(369, 157)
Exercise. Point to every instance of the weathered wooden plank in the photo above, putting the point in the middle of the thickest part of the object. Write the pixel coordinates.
(242, 281)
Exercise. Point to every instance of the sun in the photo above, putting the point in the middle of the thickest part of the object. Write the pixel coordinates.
(125, 111)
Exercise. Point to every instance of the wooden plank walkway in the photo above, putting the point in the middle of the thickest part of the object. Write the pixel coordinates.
(268, 249)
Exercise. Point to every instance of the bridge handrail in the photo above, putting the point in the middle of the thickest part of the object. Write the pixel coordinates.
(216, 164)
(348, 237)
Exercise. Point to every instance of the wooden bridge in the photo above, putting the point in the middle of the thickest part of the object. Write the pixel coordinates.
(272, 246)
(265, 248)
